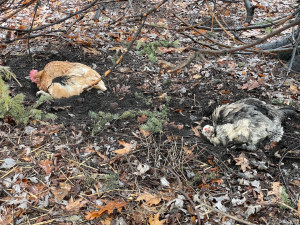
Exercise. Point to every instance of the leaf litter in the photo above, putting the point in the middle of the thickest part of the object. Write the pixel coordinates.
(58, 172)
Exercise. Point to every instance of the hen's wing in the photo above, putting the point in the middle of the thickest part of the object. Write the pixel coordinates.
(248, 121)
(65, 79)
(70, 85)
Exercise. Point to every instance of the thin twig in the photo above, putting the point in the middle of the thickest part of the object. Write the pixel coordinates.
(294, 200)
(120, 59)
(144, 17)
(55, 22)
(259, 41)
(225, 214)
(296, 44)
(31, 26)
(186, 195)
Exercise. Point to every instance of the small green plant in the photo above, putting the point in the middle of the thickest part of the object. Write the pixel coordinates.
(197, 179)
(101, 118)
(115, 57)
(268, 30)
(5, 73)
(139, 95)
(111, 181)
(285, 199)
(128, 114)
(151, 48)
(155, 120)
(154, 124)
(211, 176)
(13, 106)
(148, 101)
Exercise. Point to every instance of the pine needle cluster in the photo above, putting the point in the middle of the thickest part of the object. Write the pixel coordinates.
(154, 123)
(151, 48)
(14, 107)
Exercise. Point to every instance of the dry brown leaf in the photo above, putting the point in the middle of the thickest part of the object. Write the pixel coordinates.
(7, 217)
(142, 118)
(155, 220)
(75, 206)
(127, 148)
(163, 96)
(59, 193)
(149, 199)
(196, 131)
(166, 65)
(144, 132)
(243, 162)
(108, 208)
(164, 50)
(26, 2)
(276, 189)
(91, 51)
(294, 89)
(198, 32)
(189, 150)
(117, 49)
(197, 76)
(46, 166)
(107, 220)
(250, 85)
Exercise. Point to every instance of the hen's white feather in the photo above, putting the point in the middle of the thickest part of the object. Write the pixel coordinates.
(246, 123)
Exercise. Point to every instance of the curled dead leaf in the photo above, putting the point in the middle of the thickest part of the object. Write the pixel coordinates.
(243, 162)
(127, 147)
(155, 220)
(150, 199)
(75, 206)
(108, 208)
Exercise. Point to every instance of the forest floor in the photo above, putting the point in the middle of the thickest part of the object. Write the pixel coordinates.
(81, 170)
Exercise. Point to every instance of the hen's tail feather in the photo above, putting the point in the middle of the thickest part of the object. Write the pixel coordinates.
(289, 111)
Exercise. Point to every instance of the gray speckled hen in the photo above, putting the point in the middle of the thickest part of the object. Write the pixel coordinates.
(246, 123)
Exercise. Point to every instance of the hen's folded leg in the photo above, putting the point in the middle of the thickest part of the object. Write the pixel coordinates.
(39, 93)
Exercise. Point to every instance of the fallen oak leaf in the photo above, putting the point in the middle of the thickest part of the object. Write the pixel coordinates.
(276, 190)
(217, 181)
(61, 193)
(189, 150)
(142, 118)
(196, 131)
(108, 208)
(165, 64)
(127, 147)
(150, 199)
(144, 132)
(250, 85)
(243, 162)
(46, 166)
(92, 51)
(198, 32)
(165, 50)
(75, 206)
(155, 220)
(294, 89)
